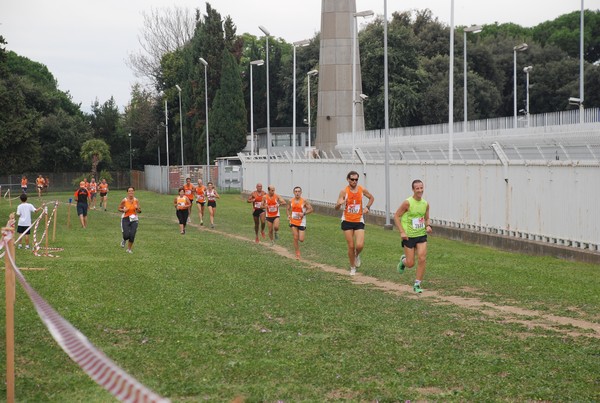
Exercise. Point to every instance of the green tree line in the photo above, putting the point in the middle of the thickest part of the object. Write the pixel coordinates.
(41, 126)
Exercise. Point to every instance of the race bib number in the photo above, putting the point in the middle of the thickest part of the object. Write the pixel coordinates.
(181, 204)
(353, 208)
(296, 215)
(272, 209)
(418, 223)
(257, 205)
(133, 218)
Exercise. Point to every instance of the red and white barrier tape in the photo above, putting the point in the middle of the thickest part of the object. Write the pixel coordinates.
(36, 244)
(97, 365)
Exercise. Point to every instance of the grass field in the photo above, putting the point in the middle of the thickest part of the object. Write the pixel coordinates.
(212, 316)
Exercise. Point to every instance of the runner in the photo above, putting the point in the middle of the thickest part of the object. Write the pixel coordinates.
(211, 197)
(39, 185)
(353, 222)
(130, 207)
(82, 195)
(189, 192)
(103, 189)
(297, 210)
(271, 203)
(24, 184)
(182, 206)
(93, 187)
(200, 200)
(412, 219)
(258, 212)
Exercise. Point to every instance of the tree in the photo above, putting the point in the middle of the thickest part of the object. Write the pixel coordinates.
(164, 31)
(228, 133)
(95, 151)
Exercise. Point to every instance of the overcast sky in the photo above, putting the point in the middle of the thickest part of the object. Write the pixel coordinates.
(85, 43)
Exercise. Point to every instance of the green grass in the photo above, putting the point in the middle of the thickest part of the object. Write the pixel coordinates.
(207, 317)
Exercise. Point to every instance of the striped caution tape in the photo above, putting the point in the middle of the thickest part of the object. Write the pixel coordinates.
(36, 244)
(97, 365)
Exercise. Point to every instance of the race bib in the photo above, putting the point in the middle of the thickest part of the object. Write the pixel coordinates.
(418, 223)
(133, 218)
(296, 215)
(353, 208)
(257, 205)
(272, 209)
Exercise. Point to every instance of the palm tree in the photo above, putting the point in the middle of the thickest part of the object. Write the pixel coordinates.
(94, 151)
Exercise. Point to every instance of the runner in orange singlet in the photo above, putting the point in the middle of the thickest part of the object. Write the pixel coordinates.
(258, 212)
(182, 207)
(24, 184)
(130, 207)
(271, 203)
(93, 187)
(200, 200)
(103, 189)
(297, 210)
(189, 192)
(39, 185)
(353, 223)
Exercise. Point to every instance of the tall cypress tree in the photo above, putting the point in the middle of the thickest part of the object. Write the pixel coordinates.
(228, 117)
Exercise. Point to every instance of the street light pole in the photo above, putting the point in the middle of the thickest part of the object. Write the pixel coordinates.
(180, 123)
(388, 224)
(366, 13)
(519, 48)
(451, 88)
(581, 75)
(267, 34)
(205, 63)
(304, 42)
(167, 142)
(474, 29)
(308, 75)
(130, 160)
(527, 70)
(259, 62)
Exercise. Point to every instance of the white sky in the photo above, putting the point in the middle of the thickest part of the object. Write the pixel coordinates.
(85, 43)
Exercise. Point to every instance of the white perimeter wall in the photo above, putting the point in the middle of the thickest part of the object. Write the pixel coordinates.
(553, 202)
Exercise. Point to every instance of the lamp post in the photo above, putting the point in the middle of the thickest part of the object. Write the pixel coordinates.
(519, 48)
(308, 76)
(267, 34)
(581, 64)
(158, 141)
(205, 63)
(180, 123)
(130, 160)
(259, 62)
(388, 224)
(304, 42)
(366, 13)
(451, 88)
(167, 142)
(474, 29)
(527, 70)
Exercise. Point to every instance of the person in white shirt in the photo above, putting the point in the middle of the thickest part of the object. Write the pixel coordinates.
(24, 211)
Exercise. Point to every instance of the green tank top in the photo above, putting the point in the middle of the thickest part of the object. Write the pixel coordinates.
(413, 221)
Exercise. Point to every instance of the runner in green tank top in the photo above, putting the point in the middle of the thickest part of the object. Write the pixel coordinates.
(412, 219)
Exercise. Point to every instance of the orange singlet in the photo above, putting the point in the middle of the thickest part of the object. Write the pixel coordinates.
(353, 211)
(272, 205)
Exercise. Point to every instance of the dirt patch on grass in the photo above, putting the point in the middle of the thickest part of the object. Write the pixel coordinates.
(531, 319)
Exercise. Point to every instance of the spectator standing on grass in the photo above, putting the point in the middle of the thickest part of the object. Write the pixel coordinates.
(24, 211)
(211, 196)
(412, 219)
(258, 212)
(182, 208)
(130, 207)
(103, 190)
(353, 221)
(200, 200)
(271, 203)
(297, 210)
(82, 195)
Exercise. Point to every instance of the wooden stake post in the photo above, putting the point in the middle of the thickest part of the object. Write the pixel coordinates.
(10, 318)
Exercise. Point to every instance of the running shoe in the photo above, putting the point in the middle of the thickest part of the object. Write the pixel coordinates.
(26, 246)
(401, 265)
(256, 240)
(123, 243)
(298, 255)
(417, 288)
(357, 261)
(129, 251)
(262, 233)
(276, 236)
(20, 246)
(212, 225)
(201, 222)
(352, 271)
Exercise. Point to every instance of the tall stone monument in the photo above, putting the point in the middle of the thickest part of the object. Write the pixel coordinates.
(334, 114)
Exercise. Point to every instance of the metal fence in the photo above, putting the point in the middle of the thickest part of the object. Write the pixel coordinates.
(69, 180)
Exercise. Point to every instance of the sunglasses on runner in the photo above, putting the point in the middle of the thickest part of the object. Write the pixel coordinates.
(353, 179)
